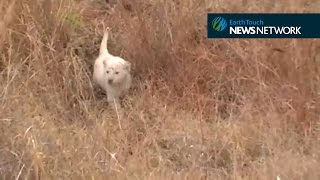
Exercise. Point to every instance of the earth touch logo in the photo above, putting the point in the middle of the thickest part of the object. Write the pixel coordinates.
(263, 25)
(219, 24)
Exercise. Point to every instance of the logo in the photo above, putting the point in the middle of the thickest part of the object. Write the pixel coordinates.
(263, 25)
(219, 24)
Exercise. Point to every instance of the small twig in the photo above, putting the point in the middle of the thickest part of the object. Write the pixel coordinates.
(113, 156)
(25, 133)
(20, 172)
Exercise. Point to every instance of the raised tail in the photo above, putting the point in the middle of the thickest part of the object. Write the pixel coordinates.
(104, 42)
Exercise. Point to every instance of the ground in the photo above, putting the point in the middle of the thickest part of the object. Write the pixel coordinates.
(199, 108)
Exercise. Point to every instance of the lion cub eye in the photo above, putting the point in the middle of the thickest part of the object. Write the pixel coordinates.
(107, 72)
(117, 72)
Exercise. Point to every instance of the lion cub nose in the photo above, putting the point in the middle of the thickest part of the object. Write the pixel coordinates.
(110, 81)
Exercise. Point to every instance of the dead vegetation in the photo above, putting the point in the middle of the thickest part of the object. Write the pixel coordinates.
(199, 109)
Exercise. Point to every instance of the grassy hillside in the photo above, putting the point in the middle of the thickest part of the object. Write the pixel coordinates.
(199, 108)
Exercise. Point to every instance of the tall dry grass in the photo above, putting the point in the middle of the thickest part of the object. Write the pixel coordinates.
(199, 109)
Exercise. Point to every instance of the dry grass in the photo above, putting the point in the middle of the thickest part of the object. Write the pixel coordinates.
(200, 108)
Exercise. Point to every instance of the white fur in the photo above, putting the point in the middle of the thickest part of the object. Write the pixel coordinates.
(109, 68)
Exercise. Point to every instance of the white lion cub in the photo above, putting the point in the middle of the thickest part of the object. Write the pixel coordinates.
(112, 73)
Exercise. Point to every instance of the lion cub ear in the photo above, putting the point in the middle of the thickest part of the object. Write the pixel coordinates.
(127, 66)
